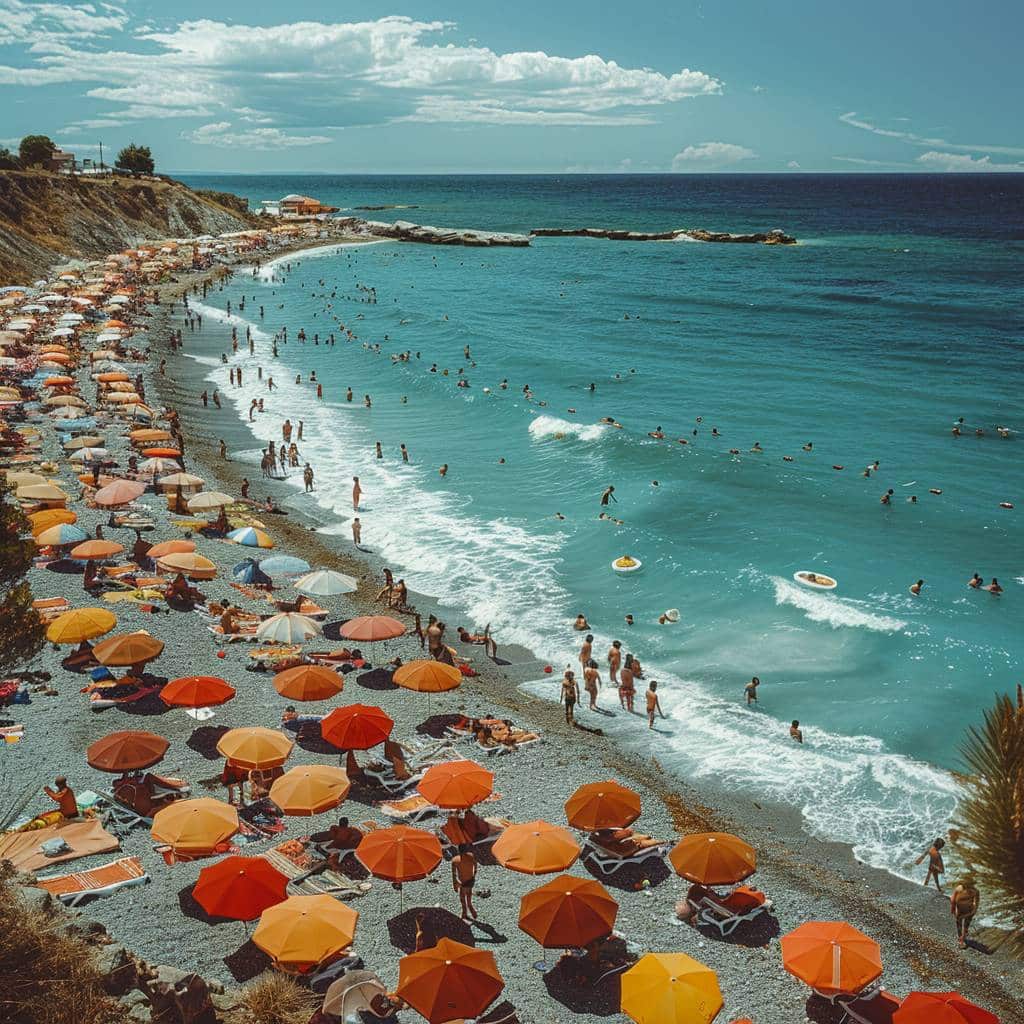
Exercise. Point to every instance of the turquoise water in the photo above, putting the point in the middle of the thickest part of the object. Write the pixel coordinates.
(898, 313)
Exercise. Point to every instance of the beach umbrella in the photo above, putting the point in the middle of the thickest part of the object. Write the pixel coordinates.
(303, 931)
(162, 452)
(282, 565)
(307, 789)
(567, 912)
(88, 455)
(196, 692)
(171, 547)
(400, 853)
(128, 751)
(195, 827)
(56, 400)
(186, 481)
(59, 382)
(353, 992)
(308, 682)
(371, 628)
(427, 676)
(240, 888)
(602, 805)
(456, 785)
(209, 501)
(831, 957)
(158, 467)
(713, 858)
(146, 435)
(325, 583)
(80, 624)
(536, 848)
(96, 550)
(449, 981)
(255, 747)
(356, 727)
(190, 564)
(121, 492)
(670, 988)
(287, 628)
(249, 571)
(941, 1008)
(128, 649)
(24, 478)
(113, 377)
(41, 492)
(250, 537)
(87, 441)
(116, 397)
(61, 534)
(50, 517)
(138, 411)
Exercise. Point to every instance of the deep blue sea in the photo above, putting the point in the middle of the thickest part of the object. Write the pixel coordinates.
(898, 313)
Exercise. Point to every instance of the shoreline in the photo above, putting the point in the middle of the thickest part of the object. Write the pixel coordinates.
(823, 871)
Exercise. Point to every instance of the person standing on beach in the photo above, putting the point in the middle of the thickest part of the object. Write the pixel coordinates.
(357, 532)
(570, 695)
(405, 452)
(614, 660)
(463, 879)
(751, 690)
(591, 682)
(627, 689)
(307, 475)
(653, 704)
(223, 450)
(963, 904)
(586, 649)
(356, 493)
(936, 866)
(245, 487)
(300, 430)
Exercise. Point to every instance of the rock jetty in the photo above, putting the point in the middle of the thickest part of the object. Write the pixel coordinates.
(774, 237)
(406, 231)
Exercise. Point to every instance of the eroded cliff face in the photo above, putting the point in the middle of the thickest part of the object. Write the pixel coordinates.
(47, 218)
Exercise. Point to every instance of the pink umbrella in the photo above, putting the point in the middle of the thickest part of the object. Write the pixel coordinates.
(120, 492)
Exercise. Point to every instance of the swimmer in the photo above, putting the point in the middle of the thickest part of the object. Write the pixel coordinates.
(886, 498)
(558, 515)
(809, 446)
(444, 470)
(787, 458)
(580, 623)
(757, 448)
(975, 582)
(629, 620)
(994, 587)
(915, 588)
(795, 732)
(608, 495)
(658, 434)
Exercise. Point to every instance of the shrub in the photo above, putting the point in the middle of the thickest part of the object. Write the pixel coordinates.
(275, 999)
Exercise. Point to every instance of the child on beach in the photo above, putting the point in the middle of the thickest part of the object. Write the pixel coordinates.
(653, 704)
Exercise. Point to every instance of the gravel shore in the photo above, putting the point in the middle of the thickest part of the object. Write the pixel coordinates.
(805, 878)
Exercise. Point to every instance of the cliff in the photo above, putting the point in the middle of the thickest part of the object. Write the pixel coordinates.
(47, 218)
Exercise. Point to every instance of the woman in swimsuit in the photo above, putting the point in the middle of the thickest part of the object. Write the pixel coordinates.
(626, 689)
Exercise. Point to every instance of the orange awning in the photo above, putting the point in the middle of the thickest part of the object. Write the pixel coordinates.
(96, 550)
(832, 957)
(127, 649)
(941, 1008)
(196, 692)
(670, 988)
(449, 981)
(80, 624)
(127, 751)
(370, 628)
(428, 676)
(195, 827)
(536, 848)
(400, 853)
(568, 912)
(602, 805)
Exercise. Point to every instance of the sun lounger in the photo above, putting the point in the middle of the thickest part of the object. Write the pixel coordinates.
(877, 1007)
(295, 861)
(103, 881)
(412, 808)
(727, 913)
(244, 635)
(120, 817)
(384, 776)
(608, 858)
(452, 833)
(48, 608)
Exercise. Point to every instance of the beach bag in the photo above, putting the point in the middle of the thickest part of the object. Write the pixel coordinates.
(54, 847)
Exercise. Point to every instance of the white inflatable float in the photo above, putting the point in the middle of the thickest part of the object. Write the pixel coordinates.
(626, 563)
(816, 580)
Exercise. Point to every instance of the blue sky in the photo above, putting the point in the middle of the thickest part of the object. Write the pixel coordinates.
(560, 85)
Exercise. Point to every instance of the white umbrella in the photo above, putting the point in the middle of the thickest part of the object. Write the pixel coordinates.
(88, 454)
(62, 332)
(325, 583)
(287, 628)
(209, 500)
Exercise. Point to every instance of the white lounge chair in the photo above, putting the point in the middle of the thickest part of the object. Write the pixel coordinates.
(99, 882)
(876, 1007)
(609, 860)
(412, 808)
(719, 914)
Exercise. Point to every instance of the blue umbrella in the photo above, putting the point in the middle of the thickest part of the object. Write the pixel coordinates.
(284, 565)
(249, 571)
(83, 424)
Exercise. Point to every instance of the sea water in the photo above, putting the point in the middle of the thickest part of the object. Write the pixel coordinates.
(898, 313)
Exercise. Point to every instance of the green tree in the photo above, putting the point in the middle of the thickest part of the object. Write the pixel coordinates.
(35, 150)
(21, 632)
(8, 161)
(990, 834)
(137, 159)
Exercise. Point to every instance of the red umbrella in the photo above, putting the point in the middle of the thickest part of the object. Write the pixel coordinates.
(941, 1008)
(126, 751)
(240, 887)
(356, 727)
(196, 692)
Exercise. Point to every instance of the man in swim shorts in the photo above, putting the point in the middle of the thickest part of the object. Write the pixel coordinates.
(463, 879)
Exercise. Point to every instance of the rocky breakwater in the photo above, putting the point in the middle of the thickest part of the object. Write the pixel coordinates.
(406, 231)
(774, 237)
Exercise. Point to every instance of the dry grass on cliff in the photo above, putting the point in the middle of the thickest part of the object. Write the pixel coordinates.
(276, 999)
(48, 975)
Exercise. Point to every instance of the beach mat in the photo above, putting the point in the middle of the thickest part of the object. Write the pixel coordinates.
(84, 837)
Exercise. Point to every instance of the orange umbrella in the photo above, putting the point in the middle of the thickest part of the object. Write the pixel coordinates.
(171, 547)
(428, 676)
(161, 453)
(121, 492)
(128, 649)
(832, 957)
(568, 912)
(148, 434)
(602, 805)
(941, 1008)
(80, 624)
(449, 981)
(356, 727)
(112, 377)
(713, 858)
(670, 988)
(303, 931)
(115, 323)
(194, 566)
(310, 789)
(96, 550)
(536, 848)
(255, 747)
(456, 784)
(50, 517)
(400, 853)
(240, 888)
(308, 682)
(58, 382)
(195, 827)
(371, 628)
(196, 692)
(128, 751)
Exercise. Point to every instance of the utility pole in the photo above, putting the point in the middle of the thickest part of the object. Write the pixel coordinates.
(101, 157)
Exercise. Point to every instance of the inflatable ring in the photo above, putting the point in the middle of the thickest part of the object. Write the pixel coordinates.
(816, 580)
(626, 563)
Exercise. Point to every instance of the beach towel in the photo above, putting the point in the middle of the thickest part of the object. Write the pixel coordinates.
(85, 838)
(102, 881)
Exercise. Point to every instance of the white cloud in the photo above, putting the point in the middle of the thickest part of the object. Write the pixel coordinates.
(710, 154)
(451, 110)
(963, 162)
(863, 162)
(219, 133)
(913, 139)
(49, 22)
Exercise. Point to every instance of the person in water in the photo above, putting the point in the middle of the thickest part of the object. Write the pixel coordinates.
(750, 690)
(795, 732)
(915, 588)
(975, 582)
(653, 704)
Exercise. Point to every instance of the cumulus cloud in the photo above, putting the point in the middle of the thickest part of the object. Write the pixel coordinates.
(710, 154)
(936, 161)
(219, 133)
(42, 23)
(851, 118)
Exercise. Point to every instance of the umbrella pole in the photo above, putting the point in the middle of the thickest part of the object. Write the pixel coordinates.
(542, 965)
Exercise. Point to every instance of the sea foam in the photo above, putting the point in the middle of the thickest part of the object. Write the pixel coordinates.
(551, 426)
(834, 611)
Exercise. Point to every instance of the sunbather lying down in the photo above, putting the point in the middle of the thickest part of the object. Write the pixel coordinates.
(741, 900)
(493, 732)
(623, 840)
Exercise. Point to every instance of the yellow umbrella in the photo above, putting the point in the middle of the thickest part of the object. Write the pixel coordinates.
(41, 492)
(80, 624)
(670, 988)
(310, 789)
(303, 931)
(194, 566)
(255, 747)
(195, 827)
